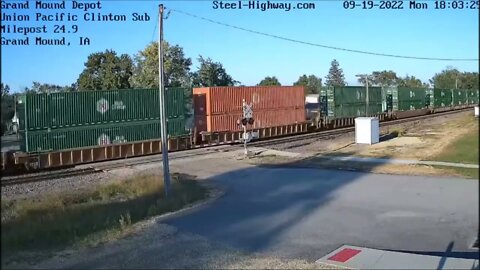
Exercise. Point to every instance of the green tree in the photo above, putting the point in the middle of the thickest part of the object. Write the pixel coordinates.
(27, 90)
(45, 87)
(385, 78)
(7, 108)
(106, 70)
(312, 84)
(270, 81)
(469, 80)
(176, 67)
(381, 78)
(48, 88)
(451, 78)
(446, 79)
(5, 89)
(211, 74)
(411, 82)
(71, 88)
(335, 75)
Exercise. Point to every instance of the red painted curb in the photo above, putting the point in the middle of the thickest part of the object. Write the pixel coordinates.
(344, 255)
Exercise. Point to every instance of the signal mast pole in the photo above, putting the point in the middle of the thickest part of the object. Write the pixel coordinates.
(245, 151)
(163, 120)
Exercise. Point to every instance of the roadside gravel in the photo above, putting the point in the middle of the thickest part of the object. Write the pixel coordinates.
(27, 190)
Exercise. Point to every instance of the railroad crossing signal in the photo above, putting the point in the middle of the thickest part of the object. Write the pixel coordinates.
(246, 119)
(247, 114)
(247, 110)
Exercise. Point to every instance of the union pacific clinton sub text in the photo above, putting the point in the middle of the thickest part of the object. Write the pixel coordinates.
(263, 5)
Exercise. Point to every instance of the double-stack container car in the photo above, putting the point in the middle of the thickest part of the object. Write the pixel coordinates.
(406, 102)
(219, 108)
(443, 98)
(472, 96)
(459, 97)
(342, 104)
(350, 101)
(405, 99)
(68, 120)
(447, 99)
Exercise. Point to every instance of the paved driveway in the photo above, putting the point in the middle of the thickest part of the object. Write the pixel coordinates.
(306, 213)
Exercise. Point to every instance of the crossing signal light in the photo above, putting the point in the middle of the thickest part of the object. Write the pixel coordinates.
(244, 121)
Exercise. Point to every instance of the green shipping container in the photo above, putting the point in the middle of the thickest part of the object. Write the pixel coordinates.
(411, 99)
(472, 96)
(86, 108)
(407, 99)
(91, 136)
(460, 97)
(349, 101)
(442, 98)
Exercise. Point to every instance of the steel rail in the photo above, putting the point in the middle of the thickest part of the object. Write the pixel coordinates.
(326, 133)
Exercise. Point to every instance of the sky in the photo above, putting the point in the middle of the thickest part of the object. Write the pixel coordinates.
(249, 57)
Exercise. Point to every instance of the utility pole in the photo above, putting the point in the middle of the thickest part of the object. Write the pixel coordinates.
(161, 94)
(17, 123)
(245, 139)
(366, 92)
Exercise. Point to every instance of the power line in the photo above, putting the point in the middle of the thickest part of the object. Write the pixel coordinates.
(321, 45)
(155, 29)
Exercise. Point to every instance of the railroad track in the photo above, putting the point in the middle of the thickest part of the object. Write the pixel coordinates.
(327, 133)
(109, 165)
(16, 180)
(104, 166)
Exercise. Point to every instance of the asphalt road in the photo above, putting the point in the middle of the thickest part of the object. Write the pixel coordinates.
(307, 213)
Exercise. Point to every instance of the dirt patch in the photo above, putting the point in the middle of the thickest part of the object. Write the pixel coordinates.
(322, 163)
(418, 140)
(330, 145)
(271, 159)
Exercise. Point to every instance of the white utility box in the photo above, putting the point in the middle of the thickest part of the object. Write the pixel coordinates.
(476, 111)
(367, 130)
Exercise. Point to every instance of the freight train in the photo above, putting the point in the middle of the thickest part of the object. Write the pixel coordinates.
(70, 128)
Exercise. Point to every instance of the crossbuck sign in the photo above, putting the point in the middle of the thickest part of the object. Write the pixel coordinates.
(247, 110)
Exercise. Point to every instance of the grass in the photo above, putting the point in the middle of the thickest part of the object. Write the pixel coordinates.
(463, 150)
(469, 173)
(59, 220)
(397, 132)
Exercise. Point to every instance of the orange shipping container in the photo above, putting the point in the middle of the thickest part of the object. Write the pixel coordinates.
(265, 118)
(224, 100)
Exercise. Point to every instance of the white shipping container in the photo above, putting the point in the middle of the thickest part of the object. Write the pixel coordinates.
(476, 111)
(367, 130)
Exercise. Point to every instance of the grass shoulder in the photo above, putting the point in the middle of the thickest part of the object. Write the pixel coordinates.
(463, 149)
(90, 216)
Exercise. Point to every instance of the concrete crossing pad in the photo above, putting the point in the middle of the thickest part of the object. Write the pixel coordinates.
(352, 257)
